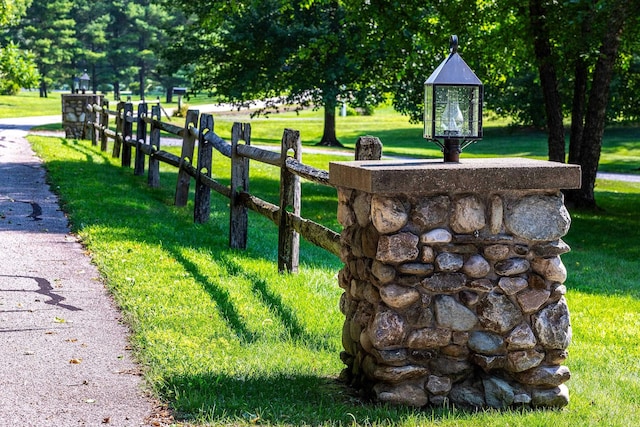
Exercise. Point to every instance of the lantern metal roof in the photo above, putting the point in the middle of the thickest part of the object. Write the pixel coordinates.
(453, 70)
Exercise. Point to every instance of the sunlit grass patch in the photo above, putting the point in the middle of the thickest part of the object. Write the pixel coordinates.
(226, 340)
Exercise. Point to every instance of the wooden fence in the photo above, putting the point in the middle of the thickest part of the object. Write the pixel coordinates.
(146, 142)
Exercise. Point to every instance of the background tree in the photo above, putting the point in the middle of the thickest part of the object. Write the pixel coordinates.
(565, 54)
(284, 51)
(592, 52)
(17, 67)
(48, 31)
(17, 70)
(92, 18)
(12, 10)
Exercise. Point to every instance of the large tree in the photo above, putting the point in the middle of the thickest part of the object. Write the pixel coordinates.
(17, 70)
(304, 53)
(12, 10)
(591, 46)
(541, 62)
(17, 66)
(48, 30)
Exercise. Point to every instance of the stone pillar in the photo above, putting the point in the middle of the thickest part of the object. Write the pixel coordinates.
(453, 281)
(74, 110)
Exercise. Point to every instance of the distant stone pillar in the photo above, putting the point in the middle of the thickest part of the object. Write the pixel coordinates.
(453, 281)
(74, 110)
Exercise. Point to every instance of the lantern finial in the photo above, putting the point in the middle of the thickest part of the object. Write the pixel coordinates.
(453, 44)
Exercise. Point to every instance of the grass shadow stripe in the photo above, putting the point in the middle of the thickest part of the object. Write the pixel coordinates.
(277, 306)
(219, 295)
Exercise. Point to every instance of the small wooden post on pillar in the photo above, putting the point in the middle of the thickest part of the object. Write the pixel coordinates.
(368, 148)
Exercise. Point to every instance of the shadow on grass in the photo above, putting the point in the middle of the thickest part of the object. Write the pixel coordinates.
(220, 295)
(276, 305)
(282, 400)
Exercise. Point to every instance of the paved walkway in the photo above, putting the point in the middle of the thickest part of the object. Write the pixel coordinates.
(64, 352)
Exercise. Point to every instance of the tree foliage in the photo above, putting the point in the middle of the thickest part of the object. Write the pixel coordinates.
(306, 53)
(111, 39)
(541, 61)
(17, 70)
(12, 10)
(48, 30)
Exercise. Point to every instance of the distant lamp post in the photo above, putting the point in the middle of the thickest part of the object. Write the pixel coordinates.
(84, 82)
(453, 105)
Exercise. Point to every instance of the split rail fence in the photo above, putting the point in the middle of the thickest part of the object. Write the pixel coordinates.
(146, 141)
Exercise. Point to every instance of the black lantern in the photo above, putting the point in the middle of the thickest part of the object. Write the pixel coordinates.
(84, 82)
(453, 105)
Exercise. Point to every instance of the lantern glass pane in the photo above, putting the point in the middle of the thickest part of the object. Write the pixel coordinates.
(457, 112)
(428, 112)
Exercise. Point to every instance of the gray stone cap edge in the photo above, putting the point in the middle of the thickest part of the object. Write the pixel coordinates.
(470, 175)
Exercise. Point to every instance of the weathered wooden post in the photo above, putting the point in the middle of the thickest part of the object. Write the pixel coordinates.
(104, 125)
(238, 218)
(186, 157)
(92, 118)
(202, 208)
(154, 140)
(288, 238)
(117, 142)
(453, 281)
(141, 138)
(368, 148)
(127, 134)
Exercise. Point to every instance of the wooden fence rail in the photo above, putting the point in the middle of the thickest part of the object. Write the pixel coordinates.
(146, 141)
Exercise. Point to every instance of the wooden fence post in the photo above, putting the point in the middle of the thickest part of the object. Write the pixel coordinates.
(154, 140)
(117, 142)
(188, 144)
(202, 208)
(141, 138)
(238, 218)
(104, 125)
(368, 148)
(127, 134)
(92, 116)
(288, 238)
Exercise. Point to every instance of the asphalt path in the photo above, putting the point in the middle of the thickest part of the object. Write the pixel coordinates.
(64, 352)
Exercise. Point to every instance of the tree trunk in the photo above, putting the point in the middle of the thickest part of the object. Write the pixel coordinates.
(329, 133)
(577, 110)
(579, 102)
(548, 80)
(116, 90)
(141, 73)
(43, 88)
(94, 80)
(596, 109)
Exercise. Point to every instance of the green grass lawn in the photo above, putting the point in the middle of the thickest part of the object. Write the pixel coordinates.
(620, 151)
(29, 103)
(226, 340)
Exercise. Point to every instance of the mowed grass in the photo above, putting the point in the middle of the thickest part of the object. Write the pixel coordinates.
(620, 149)
(226, 340)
